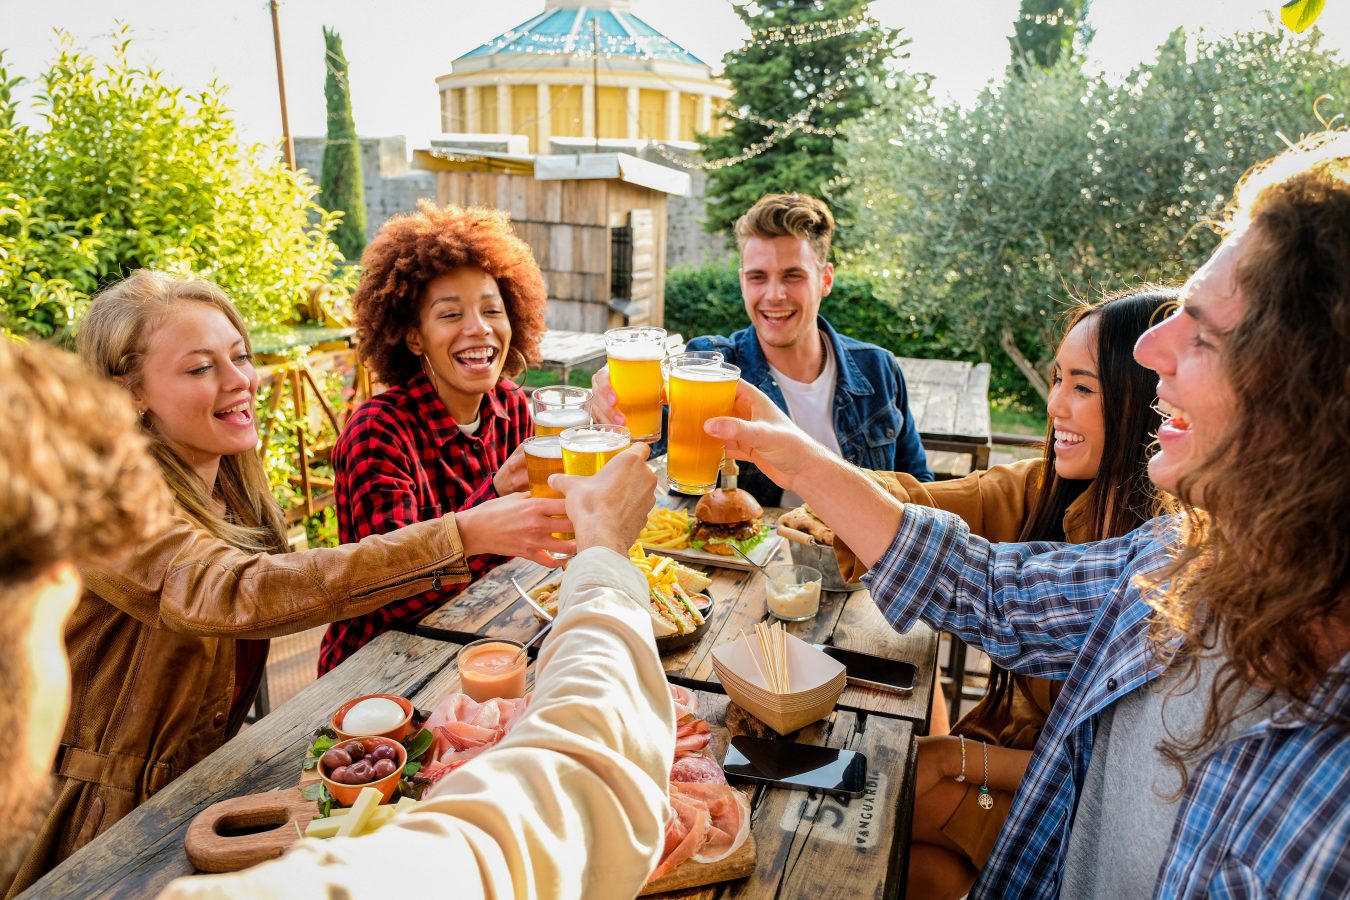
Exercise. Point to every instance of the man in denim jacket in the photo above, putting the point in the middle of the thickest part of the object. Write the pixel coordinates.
(848, 395)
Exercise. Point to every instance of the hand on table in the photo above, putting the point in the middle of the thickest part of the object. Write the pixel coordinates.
(516, 525)
(512, 478)
(608, 509)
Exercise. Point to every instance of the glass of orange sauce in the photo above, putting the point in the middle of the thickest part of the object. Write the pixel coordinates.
(492, 668)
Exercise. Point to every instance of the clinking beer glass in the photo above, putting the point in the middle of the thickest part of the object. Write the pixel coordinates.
(558, 407)
(585, 450)
(543, 457)
(700, 388)
(635, 354)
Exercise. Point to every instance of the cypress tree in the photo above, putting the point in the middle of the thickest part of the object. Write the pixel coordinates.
(341, 188)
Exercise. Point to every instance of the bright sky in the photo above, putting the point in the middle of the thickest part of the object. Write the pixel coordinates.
(397, 48)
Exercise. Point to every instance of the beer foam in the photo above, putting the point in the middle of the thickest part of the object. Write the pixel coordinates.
(544, 449)
(567, 417)
(596, 442)
(708, 373)
(636, 351)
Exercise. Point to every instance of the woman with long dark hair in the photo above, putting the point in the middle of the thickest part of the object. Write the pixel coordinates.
(1090, 484)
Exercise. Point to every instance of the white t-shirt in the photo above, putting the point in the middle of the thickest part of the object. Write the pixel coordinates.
(811, 406)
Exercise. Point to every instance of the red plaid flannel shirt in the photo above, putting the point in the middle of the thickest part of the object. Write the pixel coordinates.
(403, 459)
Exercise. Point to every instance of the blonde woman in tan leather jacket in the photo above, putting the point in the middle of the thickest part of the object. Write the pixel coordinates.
(167, 650)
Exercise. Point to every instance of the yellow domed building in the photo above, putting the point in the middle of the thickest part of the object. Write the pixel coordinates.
(581, 69)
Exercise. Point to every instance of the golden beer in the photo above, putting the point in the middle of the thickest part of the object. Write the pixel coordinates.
(635, 356)
(586, 450)
(543, 457)
(559, 407)
(699, 391)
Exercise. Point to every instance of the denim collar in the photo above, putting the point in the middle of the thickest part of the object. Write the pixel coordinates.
(755, 367)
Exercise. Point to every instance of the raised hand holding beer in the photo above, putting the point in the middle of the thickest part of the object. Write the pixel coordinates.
(635, 354)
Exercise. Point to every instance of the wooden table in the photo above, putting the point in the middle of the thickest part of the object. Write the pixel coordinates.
(808, 845)
(950, 404)
(563, 351)
(490, 607)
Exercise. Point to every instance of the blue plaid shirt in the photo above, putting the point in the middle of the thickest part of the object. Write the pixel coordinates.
(1265, 815)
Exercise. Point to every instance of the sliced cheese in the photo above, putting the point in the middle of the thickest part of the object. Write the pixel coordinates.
(365, 804)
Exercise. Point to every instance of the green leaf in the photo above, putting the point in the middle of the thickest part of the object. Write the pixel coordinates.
(313, 791)
(1299, 15)
(411, 769)
(419, 745)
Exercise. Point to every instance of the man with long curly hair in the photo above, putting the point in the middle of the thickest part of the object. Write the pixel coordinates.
(77, 486)
(1201, 745)
(450, 304)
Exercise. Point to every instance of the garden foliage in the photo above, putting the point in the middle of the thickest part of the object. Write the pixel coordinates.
(980, 224)
(342, 188)
(126, 172)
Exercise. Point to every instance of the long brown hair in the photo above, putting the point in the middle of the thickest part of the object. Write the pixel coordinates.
(1120, 497)
(1264, 571)
(113, 338)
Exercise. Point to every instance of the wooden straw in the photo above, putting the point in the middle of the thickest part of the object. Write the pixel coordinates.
(751, 647)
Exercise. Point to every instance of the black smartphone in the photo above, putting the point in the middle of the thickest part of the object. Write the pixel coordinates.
(873, 671)
(802, 766)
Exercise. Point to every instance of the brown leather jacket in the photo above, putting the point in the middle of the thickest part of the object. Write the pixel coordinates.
(152, 654)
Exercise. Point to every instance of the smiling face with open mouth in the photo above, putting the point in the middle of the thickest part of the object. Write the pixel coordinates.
(782, 284)
(462, 335)
(198, 386)
(1195, 397)
(1075, 404)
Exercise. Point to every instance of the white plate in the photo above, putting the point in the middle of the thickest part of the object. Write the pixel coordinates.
(763, 554)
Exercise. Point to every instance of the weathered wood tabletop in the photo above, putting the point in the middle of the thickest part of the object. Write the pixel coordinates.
(490, 607)
(950, 403)
(807, 844)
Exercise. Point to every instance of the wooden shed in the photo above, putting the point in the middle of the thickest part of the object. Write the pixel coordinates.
(596, 223)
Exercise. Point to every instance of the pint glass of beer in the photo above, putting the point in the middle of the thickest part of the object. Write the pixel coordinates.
(543, 457)
(585, 450)
(635, 354)
(700, 389)
(558, 407)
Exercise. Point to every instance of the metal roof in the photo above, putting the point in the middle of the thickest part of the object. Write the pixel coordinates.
(568, 31)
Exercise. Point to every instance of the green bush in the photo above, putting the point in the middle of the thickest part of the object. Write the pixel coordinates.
(130, 172)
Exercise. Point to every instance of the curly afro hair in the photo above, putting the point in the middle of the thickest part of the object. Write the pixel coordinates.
(411, 251)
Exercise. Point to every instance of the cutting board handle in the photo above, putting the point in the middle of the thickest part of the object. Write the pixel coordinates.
(269, 822)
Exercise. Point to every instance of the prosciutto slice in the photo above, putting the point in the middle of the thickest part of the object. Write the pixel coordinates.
(686, 832)
(462, 728)
(728, 813)
(697, 768)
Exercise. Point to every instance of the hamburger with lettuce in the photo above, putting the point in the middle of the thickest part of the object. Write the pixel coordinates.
(724, 518)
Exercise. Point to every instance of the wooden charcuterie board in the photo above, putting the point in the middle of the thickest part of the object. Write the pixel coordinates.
(212, 848)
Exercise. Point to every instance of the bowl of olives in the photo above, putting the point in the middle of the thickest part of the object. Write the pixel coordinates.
(349, 766)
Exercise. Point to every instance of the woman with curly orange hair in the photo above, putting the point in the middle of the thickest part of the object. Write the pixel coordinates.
(450, 303)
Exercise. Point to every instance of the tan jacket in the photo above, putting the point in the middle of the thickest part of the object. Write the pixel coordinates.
(995, 504)
(571, 804)
(152, 656)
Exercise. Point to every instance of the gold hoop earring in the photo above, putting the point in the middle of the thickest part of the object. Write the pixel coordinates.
(524, 365)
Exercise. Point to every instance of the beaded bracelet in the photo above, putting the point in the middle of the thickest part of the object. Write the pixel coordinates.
(962, 776)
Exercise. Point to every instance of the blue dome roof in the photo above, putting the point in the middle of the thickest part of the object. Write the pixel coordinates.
(565, 31)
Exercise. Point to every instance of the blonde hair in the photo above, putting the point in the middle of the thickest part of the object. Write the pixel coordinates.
(76, 481)
(113, 339)
(789, 215)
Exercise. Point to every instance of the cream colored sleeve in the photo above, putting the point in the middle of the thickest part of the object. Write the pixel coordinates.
(571, 803)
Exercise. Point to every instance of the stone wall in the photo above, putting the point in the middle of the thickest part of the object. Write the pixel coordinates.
(392, 187)
(687, 244)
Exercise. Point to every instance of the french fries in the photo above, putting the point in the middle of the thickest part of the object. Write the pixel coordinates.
(666, 529)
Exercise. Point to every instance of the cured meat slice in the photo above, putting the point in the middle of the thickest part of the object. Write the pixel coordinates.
(697, 768)
(691, 737)
(728, 812)
(686, 831)
(686, 704)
